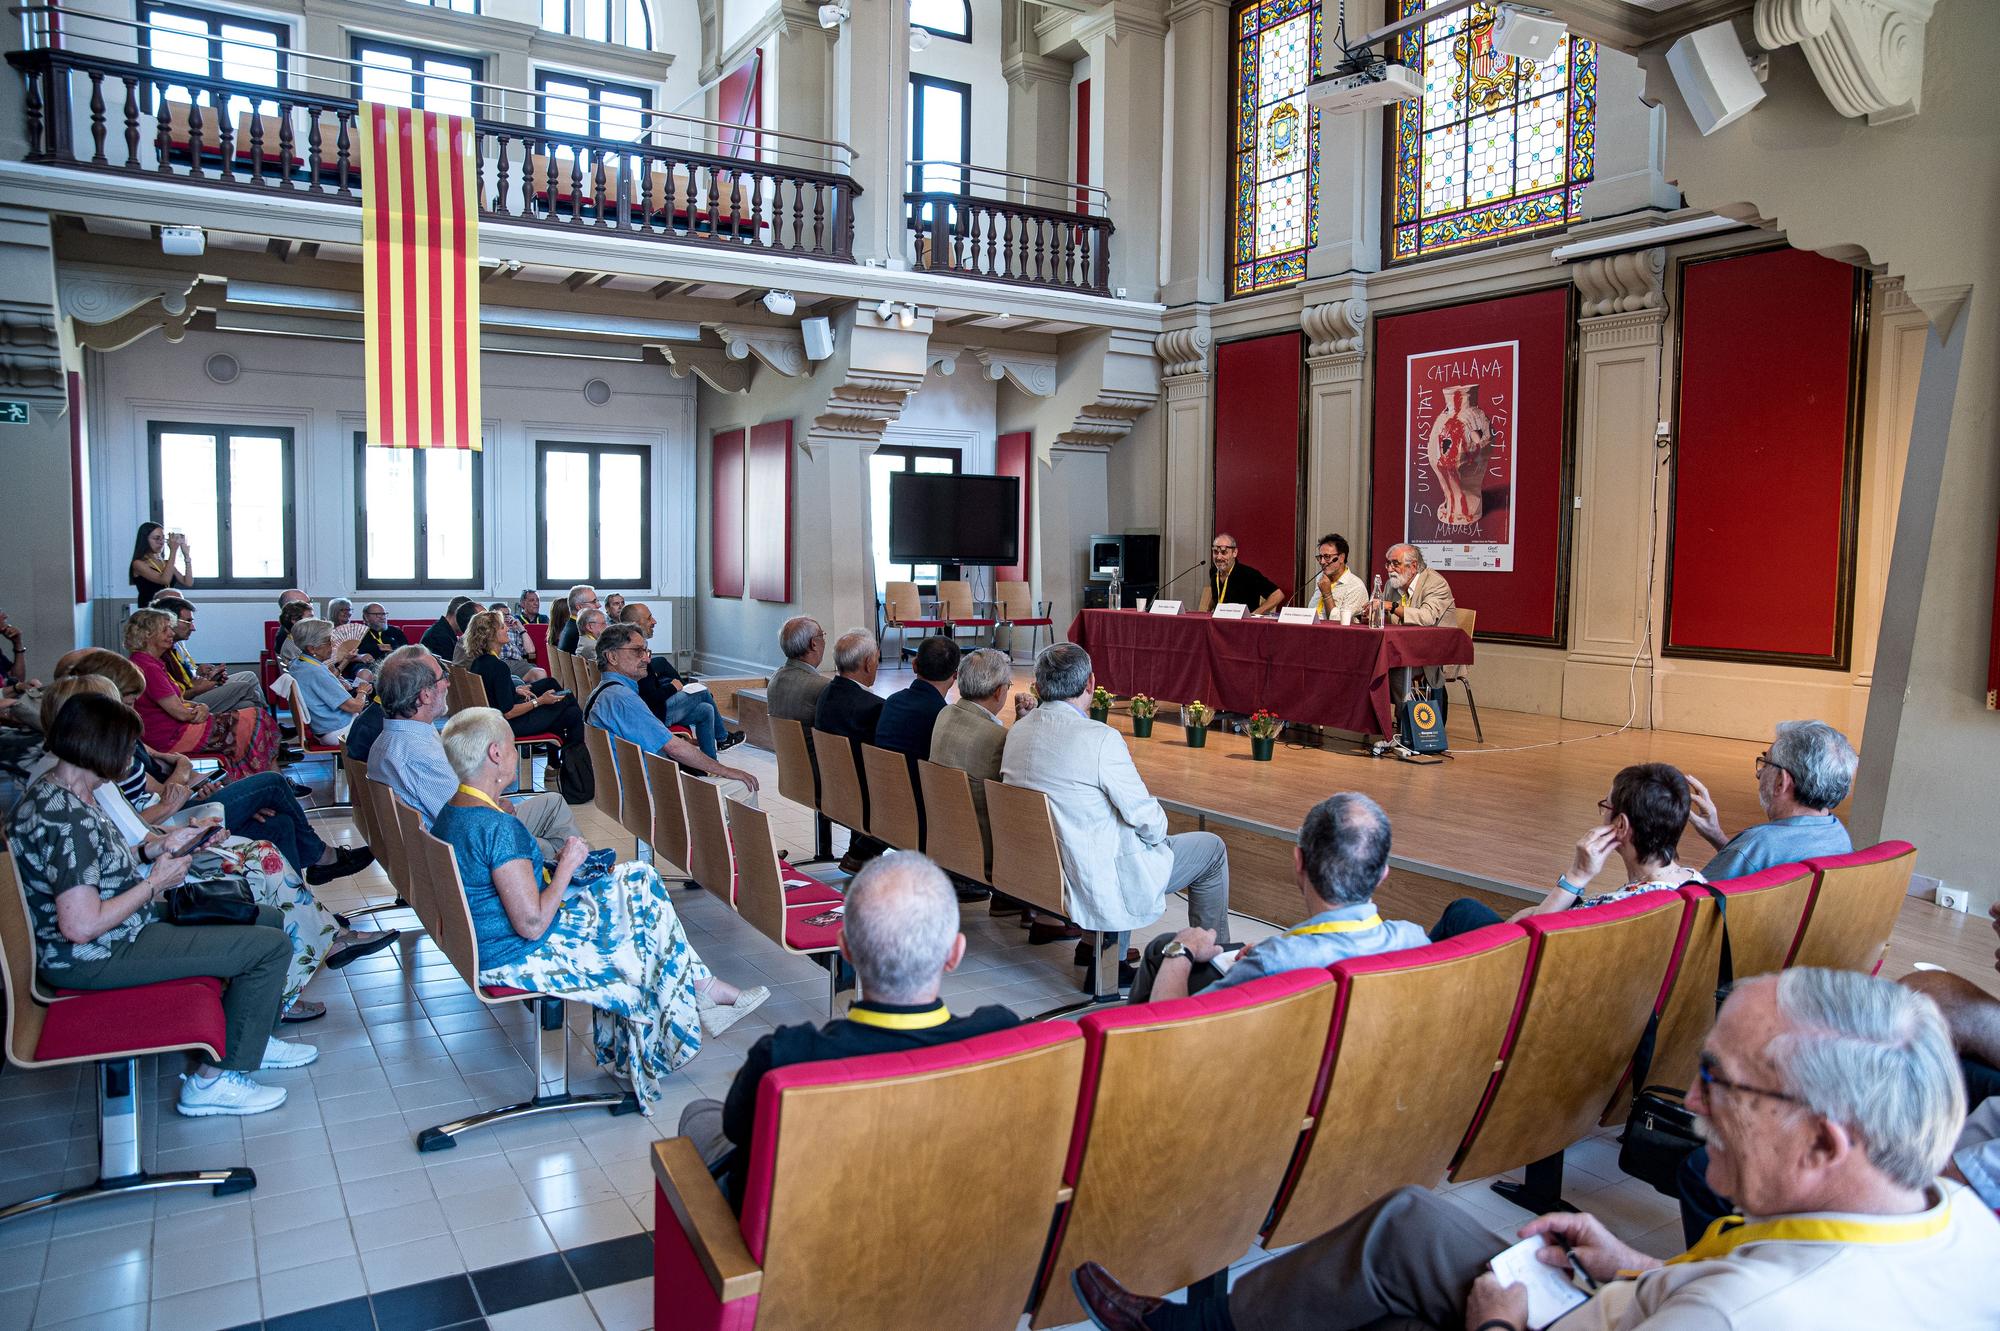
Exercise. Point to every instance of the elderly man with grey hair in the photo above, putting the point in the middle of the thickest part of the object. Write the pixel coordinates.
(847, 707)
(795, 686)
(623, 655)
(590, 626)
(1801, 779)
(581, 597)
(1117, 855)
(409, 757)
(1830, 1100)
(900, 932)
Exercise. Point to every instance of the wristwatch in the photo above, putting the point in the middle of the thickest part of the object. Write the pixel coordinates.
(1176, 949)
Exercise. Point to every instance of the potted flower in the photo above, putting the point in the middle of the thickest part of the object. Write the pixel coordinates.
(1143, 711)
(1194, 719)
(1100, 703)
(1263, 734)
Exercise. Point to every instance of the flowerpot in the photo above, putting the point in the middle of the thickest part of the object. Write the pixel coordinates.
(1261, 749)
(1197, 736)
(1142, 727)
(1099, 713)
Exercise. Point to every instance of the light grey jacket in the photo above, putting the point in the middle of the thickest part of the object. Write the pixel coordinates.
(1112, 832)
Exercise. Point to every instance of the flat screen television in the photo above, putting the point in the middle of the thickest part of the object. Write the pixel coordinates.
(946, 519)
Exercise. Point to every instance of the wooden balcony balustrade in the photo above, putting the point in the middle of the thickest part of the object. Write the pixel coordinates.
(996, 240)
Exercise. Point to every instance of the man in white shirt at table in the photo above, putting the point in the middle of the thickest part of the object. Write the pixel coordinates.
(1337, 593)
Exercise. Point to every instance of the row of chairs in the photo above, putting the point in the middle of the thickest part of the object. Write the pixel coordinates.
(955, 607)
(1465, 1058)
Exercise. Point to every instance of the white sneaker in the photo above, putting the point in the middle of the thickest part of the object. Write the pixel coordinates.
(719, 1017)
(287, 1054)
(229, 1093)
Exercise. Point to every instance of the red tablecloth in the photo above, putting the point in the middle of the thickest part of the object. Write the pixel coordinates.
(1323, 674)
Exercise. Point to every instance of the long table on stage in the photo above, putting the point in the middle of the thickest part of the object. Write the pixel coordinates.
(1320, 674)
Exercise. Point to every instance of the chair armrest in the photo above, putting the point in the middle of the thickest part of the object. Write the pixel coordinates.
(706, 1221)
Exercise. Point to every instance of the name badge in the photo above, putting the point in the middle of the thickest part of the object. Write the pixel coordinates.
(1230, 610)
(1295, 614)
(1164, 608)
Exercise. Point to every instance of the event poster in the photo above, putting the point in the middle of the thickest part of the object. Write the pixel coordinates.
(1459, 455)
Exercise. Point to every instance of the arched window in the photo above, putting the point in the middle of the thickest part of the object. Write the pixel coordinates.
(1496, 147)
(946, 18)
(1274, 143)
(639, 24)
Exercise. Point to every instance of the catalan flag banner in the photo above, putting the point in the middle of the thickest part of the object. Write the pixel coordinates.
(420, 270)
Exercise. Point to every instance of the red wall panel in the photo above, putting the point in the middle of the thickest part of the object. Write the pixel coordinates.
(1014, 455)
(1257, 437)
(767, 512)
(1083, 143)
(1763, 459)
(725, 533)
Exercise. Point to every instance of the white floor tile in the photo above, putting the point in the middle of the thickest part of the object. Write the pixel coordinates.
(209, 1307)
(626, 1307)
(570, 1314)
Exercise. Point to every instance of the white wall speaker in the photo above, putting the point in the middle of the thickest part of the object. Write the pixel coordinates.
(1715, 78)
(818, 333)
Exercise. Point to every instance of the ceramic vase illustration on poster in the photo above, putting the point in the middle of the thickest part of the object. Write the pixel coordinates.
(1459, 456)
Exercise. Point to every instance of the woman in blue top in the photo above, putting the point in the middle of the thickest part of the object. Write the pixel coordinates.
(331, 703)
(615, 944)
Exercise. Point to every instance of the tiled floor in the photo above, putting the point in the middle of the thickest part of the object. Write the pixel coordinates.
(350, 1220)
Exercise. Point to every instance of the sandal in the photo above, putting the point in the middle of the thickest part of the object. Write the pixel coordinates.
(359, 945)
(304, 1009)
(719, 1017)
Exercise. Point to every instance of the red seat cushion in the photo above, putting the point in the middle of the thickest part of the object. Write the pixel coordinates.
(111, 1023)
(805, 937)
(973, 623)
(916, 623)
(505, 991)
(541, 738)
(1045, 621)
(802, 889)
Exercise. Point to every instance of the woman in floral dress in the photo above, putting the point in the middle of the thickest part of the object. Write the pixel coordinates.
(615, 944)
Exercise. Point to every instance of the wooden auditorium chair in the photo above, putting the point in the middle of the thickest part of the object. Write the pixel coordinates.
(779, 901)
(895, 815)
(1411, 1050)
(465, 690)
(669, 836)
(1461, 675)
(903, 610)
(311, 745)
(113, 1029)
(1223, 1078)
(1027, 866)
(962, 610)
(844, 1224)
(1593, 978)
(1018, 609)
(952, 832)
(604, 770)
(711, 851)
(635, 803)
(842, 797)
(1855, 901)
(798, 779)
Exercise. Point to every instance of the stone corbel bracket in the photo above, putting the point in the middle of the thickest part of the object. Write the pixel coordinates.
(782, 349)
(713, 365)
(1629, 283)
(885, 364)
(943, 359)
(1184, 350)
(30, 350)
(1032, 372)
(1336, 328)
(1868, 55)
(1126, 385)
(114, 307)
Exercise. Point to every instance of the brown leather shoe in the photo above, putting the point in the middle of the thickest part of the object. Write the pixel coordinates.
(1051, 931)
(1110, 1305)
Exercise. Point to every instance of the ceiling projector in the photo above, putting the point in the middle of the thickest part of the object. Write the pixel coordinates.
(1363, 89)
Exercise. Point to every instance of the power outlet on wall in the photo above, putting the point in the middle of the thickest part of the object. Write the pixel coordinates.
(1951, 898)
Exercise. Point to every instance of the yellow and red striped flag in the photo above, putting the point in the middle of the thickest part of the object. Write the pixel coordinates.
(420, 273)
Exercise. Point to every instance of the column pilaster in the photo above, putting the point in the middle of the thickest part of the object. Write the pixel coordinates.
(1336, 431)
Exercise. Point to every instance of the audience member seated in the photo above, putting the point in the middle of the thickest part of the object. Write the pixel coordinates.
(217, 686)
(900, 932)
(160, 562)
(617, 946)
(542, 708)
(558, 621)
(1974, 1019)
(290, 615)
(1116, 852)
(847, 707)
(1644, 817)
(409, 758)
(441, 638)
(969, 734)
(1801, 779)
(1830, 1102)
(1341, 858)
(581, 597)
(242, 740)
(909, 714)
(517, 653)
(461, 620)
(589, 625)
(13, 662)
(94, 905)
(331, 702)
(794, 690)
(616, 707)
(378, 636)
(669, 696)
(529, 608)
(614, 608)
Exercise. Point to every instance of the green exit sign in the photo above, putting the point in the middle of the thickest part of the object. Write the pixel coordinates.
(13, 412)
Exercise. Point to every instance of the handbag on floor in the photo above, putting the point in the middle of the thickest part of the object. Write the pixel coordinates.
(1660, 1132)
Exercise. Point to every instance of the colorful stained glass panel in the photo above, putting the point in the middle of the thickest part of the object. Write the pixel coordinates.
(1275, 137)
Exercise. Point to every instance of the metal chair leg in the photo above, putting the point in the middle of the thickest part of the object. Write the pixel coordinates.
(551, 1086)
(1109, 954)
(1478, 731)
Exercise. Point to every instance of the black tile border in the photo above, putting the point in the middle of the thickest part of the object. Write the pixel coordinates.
(462, 1302)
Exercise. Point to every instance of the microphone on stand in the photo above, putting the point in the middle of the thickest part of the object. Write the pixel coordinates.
(1199, 563)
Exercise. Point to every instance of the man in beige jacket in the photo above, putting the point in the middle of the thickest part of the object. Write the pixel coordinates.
(1830, 1101)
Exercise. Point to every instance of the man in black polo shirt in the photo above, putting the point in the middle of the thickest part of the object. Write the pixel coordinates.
(1233, 583)
(901, 934)
(442, 637)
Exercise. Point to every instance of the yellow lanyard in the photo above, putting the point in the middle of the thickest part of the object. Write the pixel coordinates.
(1732, 1232)
(482, 797)
(1222, 588)
(1337, 927)
(901, 1021)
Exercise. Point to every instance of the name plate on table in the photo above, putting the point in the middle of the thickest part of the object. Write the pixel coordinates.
(1164, 608)
(1295, 614)
(1231, 610)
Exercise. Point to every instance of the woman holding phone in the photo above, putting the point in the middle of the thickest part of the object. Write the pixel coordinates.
(160, 560)
(242, 740)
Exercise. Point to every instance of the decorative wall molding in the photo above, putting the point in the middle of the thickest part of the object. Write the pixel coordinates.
(1120, 388)
(1622, 284)
(1344, 368)
(1185, 350)
(1639, 329)
(1033, 372)
(943, 359)
(97, 295)
(783, 349)
(1868, 55)
(713, 365)
(1022, 69)
(885, 364)
(30, 349)
(1336, 328)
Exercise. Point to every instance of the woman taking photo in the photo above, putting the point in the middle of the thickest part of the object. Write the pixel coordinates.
(541, 708)
(242, 739)
(93, 902)
(615, 944)
(160, 560)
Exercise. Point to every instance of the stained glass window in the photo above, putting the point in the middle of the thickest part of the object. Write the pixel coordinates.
(1496, 147)
(1274, 212)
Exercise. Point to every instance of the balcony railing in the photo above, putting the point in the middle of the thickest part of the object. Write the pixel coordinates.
(1001, 226)
(115, 116)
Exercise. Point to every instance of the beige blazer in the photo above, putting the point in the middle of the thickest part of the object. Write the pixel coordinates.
(968, 737)
(1427, 601)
